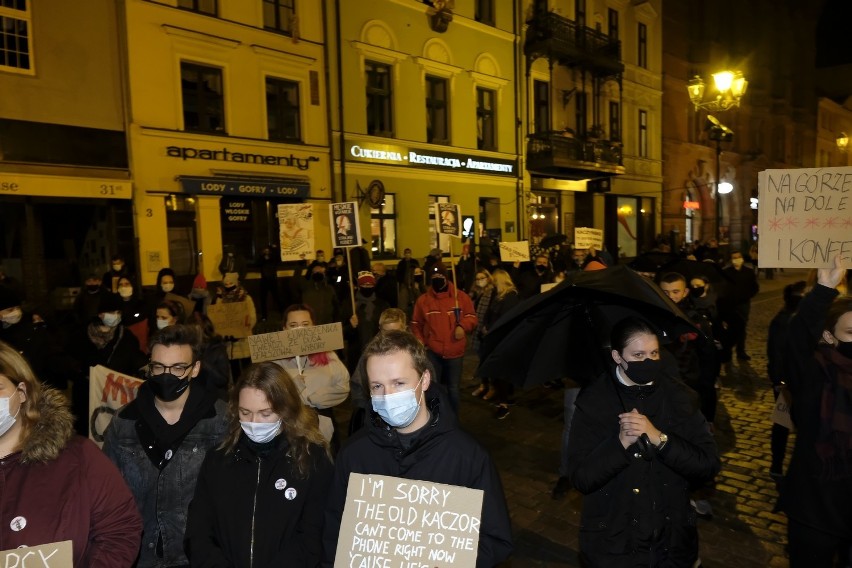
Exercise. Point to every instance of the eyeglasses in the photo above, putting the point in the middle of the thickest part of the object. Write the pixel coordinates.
(178, 369)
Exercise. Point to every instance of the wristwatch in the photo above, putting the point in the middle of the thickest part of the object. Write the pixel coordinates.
(663, 440)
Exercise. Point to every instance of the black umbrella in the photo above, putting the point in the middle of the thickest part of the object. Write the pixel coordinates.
(565, 332)
(652, 261)
(552, 240)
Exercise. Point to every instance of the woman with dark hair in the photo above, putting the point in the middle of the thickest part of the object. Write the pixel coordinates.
(215, 366)
(638, 442)
(817, 491)
(166, 291)
(260, 497)
(322, 378)
(56, 485)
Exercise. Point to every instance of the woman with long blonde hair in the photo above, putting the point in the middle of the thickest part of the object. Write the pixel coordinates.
(260, 497)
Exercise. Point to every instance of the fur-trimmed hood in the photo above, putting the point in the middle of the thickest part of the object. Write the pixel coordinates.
(52, 432)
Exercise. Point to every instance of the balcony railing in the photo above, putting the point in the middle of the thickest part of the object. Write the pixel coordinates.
(554, 150)
(551, 35)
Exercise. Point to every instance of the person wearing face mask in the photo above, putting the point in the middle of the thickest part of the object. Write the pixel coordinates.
(734, 308)
(159, 440)
(442, 318)
(637, 443)
(118, 269)
(267, 264)
(260, 498)
(529, 280)
(359, 328)
(816, 493)
(412, 433)
(105, 341)
(482, 294)
(316, 291)
(165, 290)
(231, 291)
(86, 302)
(46, 469)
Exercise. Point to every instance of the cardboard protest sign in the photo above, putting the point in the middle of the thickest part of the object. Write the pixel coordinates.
(230, 319)
(52, 555)
(781, 411)
(345, 224)
(298, 341)
(515, 252)
(448, 219)
(296, 231)
(587, 237)
(804, 217)
(108, 391)
(390, 521)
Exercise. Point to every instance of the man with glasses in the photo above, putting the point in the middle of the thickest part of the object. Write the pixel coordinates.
(174, 418)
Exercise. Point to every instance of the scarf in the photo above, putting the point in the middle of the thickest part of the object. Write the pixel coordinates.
(834, 438)
(237, 294)
(100, 335)
(369, 305)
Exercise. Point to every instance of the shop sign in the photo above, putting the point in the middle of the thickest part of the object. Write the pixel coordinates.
(226, 155)
(691, 205)
(245, 187)
(236, 211)
(396, 155)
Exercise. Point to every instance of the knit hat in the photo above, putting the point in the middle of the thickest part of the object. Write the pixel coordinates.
(110, 302)
(366, 278)
(8, 298)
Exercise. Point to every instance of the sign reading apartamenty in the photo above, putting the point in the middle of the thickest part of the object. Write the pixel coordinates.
(390, 521)
(805, 217)
(297, 341)
(397, 155)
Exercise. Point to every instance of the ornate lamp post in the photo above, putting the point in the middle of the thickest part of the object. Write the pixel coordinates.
(729, 88)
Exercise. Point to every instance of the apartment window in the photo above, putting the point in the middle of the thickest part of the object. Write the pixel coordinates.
(643, 46)
(436, 240)
(201, 6)
(379, 99)
(437, 111)
(541, 106)
(580, 113)
(643, 134)
(483, 11)
(580, 13)
(279, 15)
(485, 119)
(282, 110)
(383, 228)
(203, 98)
(614, 121)
(613, 24)
(15, 47)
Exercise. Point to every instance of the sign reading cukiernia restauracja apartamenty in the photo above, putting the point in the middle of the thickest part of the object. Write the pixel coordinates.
(405, 156)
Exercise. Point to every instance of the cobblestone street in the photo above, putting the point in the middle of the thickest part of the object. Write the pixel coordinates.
(743, 532)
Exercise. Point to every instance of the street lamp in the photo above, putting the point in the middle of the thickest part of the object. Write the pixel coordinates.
(842, 141)
(719, 133)
(730, 88)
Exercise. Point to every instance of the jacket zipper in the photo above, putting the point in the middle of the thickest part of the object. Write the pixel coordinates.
(253, 513)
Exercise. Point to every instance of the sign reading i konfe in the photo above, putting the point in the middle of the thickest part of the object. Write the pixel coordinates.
(397, 155)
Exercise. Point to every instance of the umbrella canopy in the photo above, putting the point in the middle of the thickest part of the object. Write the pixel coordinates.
(552, 240)
(652, 261)
(565, 332)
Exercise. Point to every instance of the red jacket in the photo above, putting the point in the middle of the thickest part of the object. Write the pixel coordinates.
(78, 495)
(434, 321)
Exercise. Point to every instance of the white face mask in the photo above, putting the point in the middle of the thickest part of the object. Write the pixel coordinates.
(111, 319)
(125, 291)
(260, 432)
(737, 262)
(13, 317)
(6, 418)
(161, 324)
(168, 287)
(117, 267)
(400, 408)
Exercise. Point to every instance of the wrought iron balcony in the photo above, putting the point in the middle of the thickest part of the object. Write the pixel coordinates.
(554, 37)
(573, 158)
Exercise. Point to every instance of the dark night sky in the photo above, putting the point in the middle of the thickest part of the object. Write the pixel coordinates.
(833, 47)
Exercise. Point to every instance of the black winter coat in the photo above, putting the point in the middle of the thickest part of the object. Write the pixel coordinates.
(250, 510)
(441, 453)
(636, 511)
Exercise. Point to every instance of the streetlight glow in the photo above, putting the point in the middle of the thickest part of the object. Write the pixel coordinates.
(725, 187)
(723, 80)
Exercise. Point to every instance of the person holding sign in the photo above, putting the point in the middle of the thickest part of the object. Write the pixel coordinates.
(412, 433)
(58, 486)
(817, 491)
(260, 498)
(159, 441)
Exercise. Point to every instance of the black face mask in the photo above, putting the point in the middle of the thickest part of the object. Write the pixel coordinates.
(418, 278)
(318, 276)
(642, 372)
(845, 348)
(439, 284)
(167, 387)
(92, 288)
(367, 292)
(698, 291)
(541, 269)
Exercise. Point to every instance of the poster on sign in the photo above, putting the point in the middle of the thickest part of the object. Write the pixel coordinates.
(587, 237)
(297, 341)
(804, 217)
(52, 555)
(345, 225)
(296, 233)
(108, 391)
(390, 521)
(515, 251)
(448, 219)
(230, 319)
